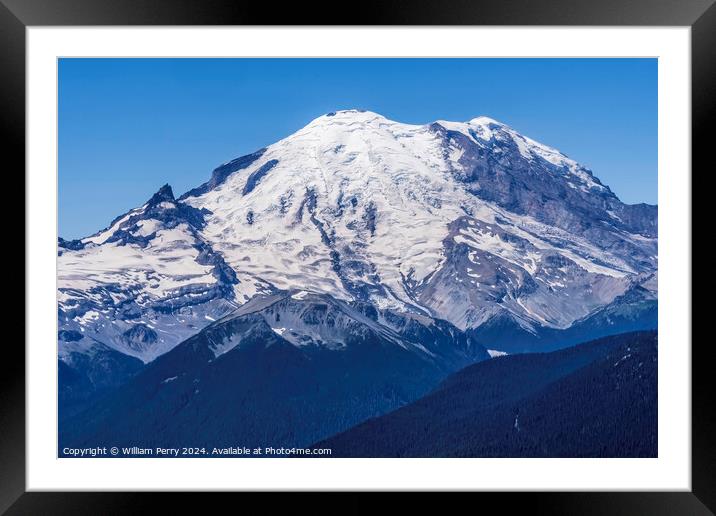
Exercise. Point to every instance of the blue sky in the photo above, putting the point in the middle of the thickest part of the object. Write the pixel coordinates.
(127, 126)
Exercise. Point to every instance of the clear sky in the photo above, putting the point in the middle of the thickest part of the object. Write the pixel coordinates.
(127, 126)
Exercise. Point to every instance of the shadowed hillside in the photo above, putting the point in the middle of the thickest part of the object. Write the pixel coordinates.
(597, 399)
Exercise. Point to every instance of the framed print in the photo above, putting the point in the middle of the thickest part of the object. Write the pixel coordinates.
(449, 250)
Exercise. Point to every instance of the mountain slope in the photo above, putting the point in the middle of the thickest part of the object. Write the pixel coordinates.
(87, 374)
(634, 310)
(593, 400)
(282, 370)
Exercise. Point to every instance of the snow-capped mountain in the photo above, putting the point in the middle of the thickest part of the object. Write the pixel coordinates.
(458, 220)
(466, 222)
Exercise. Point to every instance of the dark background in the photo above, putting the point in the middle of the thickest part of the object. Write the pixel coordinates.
(15, 15)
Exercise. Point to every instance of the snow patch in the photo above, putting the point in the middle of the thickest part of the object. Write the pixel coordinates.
(496, 353)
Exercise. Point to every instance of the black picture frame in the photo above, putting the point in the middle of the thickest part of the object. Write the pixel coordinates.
(16, 15)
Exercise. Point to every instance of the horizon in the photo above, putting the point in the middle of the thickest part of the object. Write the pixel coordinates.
(90, 128)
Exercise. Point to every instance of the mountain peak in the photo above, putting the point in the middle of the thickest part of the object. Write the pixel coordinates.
(165, 193)
(485, 120)
(352, 113)
(348, 115)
